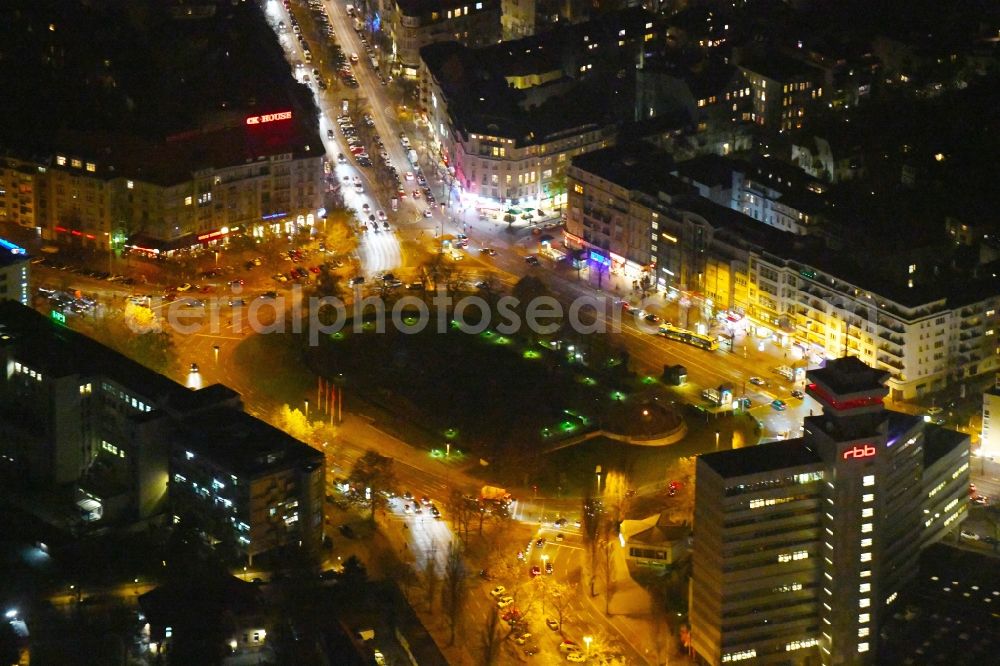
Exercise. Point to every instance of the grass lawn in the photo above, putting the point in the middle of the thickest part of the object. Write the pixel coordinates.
(496, 396)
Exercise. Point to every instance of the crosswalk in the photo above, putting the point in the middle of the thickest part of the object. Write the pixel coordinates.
(379, 252)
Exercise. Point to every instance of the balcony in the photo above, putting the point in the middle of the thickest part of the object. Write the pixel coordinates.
(894, 339)
(891, 362)
(895, 351)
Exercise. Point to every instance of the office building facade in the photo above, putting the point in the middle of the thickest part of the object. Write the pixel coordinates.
(133, 446)
(802, 546)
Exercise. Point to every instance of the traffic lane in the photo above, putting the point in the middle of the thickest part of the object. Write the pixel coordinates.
(368, 83)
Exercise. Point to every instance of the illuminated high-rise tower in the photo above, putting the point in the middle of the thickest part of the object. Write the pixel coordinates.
(801, 545)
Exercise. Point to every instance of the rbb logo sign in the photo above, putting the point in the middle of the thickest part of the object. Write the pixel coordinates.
(860, 451)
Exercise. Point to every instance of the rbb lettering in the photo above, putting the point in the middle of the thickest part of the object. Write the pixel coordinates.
(865, 451)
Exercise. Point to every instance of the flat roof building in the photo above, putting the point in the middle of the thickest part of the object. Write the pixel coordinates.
(133, 444)
(802, 545)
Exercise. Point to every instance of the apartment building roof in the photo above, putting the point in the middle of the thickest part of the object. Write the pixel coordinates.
(244, 445)
(634, 167)
(710, 170)
(481, 101)
(786, 454)
(427, 7)
(138, 93)
(781, 68)
(175, 160)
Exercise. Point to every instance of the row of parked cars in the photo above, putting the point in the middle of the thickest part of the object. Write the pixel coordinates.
(354, 142)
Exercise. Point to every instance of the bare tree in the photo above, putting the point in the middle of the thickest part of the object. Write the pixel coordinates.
(454, 593)
(593, 513)
(559, 598)
(430, 580)
(491, 636)
(374, 472)
(462, 510)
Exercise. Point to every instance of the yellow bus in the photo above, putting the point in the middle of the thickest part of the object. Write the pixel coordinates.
(689, 337)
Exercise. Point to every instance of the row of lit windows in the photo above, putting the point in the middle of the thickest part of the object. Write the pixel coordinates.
(800, 645)
(760, 503)
(25, 370)
(75, 163)
(739, 656)
(791, 557)
(86, 389)
(111, 390)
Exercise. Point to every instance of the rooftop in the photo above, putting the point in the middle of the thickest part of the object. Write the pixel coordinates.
(136, 89)
(243, 444)
(780, 67)
(710, 170)
(55, 350)
(949, 614)
(939, 442)
(480, 100)
(634, 167)
(786, 454)
(848, 375)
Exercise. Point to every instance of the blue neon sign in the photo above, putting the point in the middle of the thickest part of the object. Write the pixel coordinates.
(10, 247)
(599, 258)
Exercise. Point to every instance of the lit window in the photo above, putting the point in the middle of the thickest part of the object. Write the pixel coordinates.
(187, 201)
(862, 647)
(868, 480)
(866, 557)
(864, 618)
(867, 573)
(864, 602)
(866, 542)
(188, 455)
(866, 528)
(479, 5)
(91, 167)
(867, 512)
(61, 160)
(868, 498)
(76, 163)
(864, 588)
(129, 184)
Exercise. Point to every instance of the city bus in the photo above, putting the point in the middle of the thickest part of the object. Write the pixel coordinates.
(689, 337)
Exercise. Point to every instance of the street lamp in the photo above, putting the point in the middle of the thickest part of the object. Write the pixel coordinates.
(597, 471)
(586, 641)
(307, 408)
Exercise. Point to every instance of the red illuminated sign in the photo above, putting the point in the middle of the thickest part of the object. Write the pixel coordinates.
(269, 118)
(213, 234)
(860, 451)
(841, 405)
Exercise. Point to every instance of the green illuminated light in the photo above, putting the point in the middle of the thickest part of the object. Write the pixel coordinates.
(531, 353)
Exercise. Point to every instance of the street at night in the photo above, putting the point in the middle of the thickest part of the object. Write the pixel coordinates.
(426, 331)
